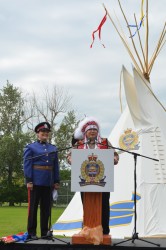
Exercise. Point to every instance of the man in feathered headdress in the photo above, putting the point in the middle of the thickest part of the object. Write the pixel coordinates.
(88, 132)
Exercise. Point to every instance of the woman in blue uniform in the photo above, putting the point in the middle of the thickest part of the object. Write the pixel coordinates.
(41, 171)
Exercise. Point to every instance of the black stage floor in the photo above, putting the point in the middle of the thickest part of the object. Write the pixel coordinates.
(57, 244)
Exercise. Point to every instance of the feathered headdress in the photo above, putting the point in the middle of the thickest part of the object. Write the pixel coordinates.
(85, 125)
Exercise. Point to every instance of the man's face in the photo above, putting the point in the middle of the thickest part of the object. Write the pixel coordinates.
(91, 133)
(43, 135)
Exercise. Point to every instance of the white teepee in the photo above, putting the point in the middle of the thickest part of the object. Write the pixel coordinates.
(140, 129)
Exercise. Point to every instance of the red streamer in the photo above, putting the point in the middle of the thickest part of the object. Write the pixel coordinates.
(99, 29)
(29, 200)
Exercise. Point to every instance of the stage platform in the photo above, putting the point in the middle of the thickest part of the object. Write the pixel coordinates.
(43, 244)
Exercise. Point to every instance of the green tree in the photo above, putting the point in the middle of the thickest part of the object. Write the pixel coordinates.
(65, 174)
(12, 138)
(63, 137)
(11, 110)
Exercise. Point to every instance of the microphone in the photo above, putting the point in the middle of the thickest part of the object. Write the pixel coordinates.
(94, 140)
(91, 141)
(88, 141)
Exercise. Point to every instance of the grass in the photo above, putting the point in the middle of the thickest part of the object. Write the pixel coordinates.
(14, 219)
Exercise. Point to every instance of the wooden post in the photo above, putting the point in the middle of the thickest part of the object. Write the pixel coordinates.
(92, 207)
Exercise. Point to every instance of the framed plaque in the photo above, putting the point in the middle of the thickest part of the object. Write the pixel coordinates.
(92, 170)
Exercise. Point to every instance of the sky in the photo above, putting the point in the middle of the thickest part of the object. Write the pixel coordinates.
(43, 43)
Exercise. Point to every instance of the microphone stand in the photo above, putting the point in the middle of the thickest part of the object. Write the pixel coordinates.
(135, 233)
(53, 152)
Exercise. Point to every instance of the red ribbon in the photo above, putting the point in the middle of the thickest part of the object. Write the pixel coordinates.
(99, 29)
(29, 200)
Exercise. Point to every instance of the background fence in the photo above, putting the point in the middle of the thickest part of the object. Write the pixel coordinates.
(64, 194)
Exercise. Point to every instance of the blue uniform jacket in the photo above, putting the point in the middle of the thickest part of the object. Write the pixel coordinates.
(39, 176)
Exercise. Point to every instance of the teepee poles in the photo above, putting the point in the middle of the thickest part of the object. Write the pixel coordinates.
(135, 49)
(143, 66)
(158, 48)
(124, 41)
(146, 40)
(140, 41)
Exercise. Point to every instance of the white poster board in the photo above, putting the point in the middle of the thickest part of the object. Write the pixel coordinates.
(92, 170)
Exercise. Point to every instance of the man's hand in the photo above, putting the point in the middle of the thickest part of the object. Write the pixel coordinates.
(30, 185)
(116, 158)
(69, 158)
(56, 186)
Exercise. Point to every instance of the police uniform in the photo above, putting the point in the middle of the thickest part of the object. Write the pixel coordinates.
(40, 168)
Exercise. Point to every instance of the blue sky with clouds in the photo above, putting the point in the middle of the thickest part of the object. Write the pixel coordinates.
(48, 42)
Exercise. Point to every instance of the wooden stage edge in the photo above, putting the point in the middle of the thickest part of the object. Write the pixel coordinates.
(57, 244)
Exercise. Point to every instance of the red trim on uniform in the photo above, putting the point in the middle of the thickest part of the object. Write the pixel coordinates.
(29, 200)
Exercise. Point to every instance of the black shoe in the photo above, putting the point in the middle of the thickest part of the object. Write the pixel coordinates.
(47, 234)
(32, 237)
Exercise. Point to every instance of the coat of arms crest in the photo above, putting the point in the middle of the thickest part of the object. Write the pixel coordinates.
(129, 140)
(92, 172)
